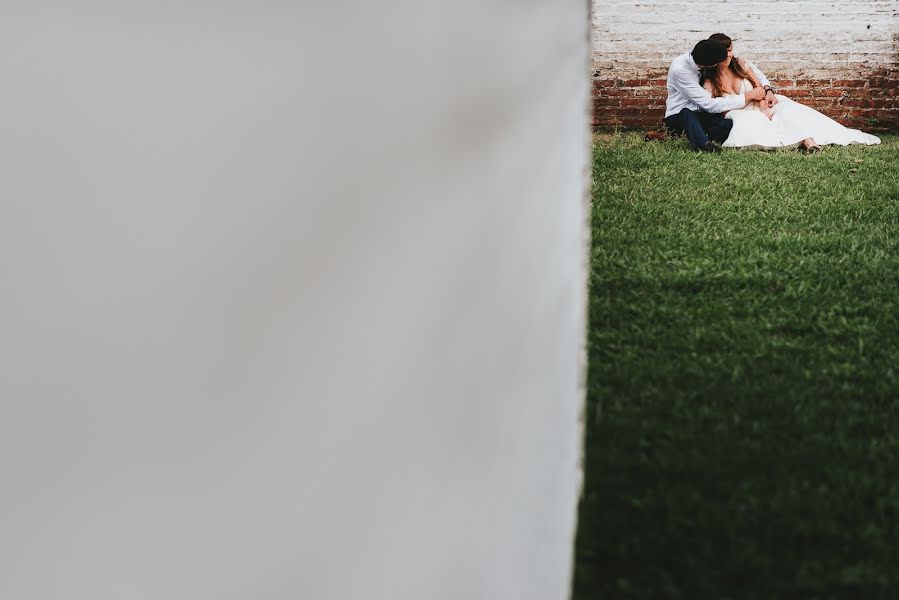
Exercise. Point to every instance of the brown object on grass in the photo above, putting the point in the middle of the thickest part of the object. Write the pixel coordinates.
(655, 136)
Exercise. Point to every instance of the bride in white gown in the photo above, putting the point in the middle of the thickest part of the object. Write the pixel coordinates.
(787, 124)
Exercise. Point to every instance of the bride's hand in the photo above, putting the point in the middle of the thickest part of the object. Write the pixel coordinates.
(768, 112)
(756, 93)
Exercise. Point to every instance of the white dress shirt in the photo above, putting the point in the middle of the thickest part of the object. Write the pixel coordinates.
(684, 90)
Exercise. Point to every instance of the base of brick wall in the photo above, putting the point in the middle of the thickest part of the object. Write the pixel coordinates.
(870, 104)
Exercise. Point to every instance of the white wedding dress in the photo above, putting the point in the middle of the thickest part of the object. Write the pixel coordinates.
(791, 123)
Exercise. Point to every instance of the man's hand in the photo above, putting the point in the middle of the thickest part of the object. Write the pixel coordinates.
(756, 93)
(770, 98)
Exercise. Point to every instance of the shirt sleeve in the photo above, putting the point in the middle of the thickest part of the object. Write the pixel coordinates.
(688, 85)
(758, 74)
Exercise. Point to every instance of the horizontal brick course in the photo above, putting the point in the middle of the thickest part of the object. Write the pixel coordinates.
(861, 107)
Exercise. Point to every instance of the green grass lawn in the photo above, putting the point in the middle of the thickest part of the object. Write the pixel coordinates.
(743, 387)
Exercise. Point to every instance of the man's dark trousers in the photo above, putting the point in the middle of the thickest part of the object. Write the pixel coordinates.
(699, 126)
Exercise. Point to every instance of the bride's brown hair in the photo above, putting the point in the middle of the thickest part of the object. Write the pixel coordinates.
(713, 76)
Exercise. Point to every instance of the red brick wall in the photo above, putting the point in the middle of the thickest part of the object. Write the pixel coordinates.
(871, 104)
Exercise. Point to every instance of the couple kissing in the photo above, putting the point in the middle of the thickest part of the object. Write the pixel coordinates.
(718, 100)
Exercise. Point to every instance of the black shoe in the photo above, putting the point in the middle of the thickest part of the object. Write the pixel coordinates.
(712, 147)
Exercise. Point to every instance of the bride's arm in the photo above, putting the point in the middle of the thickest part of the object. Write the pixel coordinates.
(760, 77)
(748, 64)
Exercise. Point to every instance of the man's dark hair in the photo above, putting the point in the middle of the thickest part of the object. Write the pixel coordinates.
(709, 52)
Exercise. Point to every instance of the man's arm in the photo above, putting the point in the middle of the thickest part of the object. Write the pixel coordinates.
(688, 85)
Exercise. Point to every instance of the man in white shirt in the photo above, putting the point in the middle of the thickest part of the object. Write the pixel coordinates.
(690, 108)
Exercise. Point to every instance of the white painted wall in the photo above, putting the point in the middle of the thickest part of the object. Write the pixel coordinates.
(801, 38)
(293, 299)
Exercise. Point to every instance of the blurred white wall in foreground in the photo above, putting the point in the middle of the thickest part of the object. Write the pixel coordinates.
(293, 298)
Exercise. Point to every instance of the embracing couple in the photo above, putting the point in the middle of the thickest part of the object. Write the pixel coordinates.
(717, 99)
